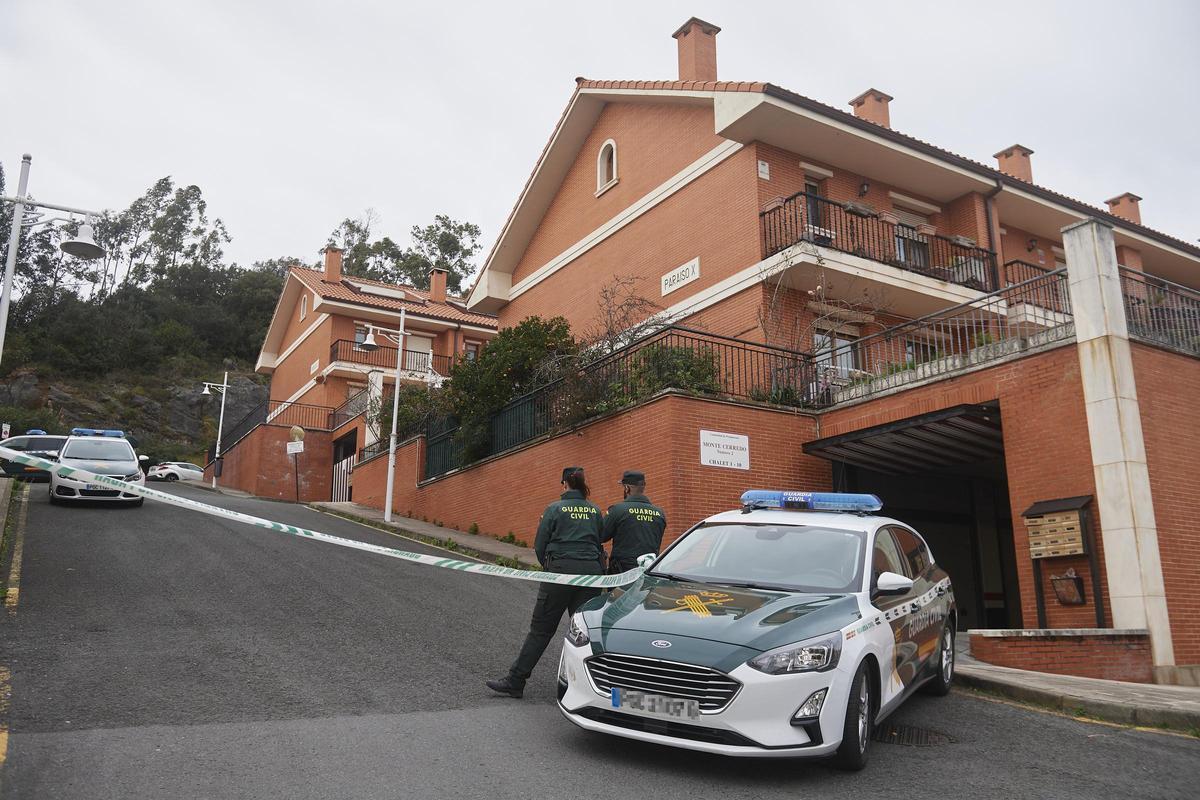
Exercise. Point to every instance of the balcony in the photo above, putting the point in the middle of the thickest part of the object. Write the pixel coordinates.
(414, 364)
(810, 218)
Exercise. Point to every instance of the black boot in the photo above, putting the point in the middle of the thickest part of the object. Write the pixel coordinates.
(508, 686)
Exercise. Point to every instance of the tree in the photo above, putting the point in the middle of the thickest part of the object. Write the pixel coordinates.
(446, 244)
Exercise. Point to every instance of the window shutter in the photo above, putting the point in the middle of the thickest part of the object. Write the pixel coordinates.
(910, 218)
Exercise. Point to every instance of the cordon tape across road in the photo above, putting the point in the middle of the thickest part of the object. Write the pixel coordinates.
(599, 581)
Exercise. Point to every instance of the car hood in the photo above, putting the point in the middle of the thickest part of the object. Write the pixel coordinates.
(117, 469)
(710, 623)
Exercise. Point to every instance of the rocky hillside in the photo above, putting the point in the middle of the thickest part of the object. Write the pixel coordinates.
(167, 415)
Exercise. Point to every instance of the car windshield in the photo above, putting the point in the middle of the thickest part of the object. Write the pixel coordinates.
(799, 558)
(99, 450)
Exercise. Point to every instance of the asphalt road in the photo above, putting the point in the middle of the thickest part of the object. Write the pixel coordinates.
(157, 652)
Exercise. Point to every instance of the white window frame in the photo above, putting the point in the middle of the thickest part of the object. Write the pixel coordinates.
(602, 185)
(303, 307)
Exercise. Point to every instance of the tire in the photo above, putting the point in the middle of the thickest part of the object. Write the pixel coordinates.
(939, 684)
(170, 477)
(137, 503)
(859, 726)
(54, 501)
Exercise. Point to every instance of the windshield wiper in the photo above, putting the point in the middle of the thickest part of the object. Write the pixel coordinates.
(748, 585)
(671, 577)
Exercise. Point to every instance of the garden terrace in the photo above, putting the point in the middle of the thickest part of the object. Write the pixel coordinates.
(1161, 313)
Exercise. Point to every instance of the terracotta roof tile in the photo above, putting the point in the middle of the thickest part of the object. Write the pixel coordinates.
(420, 305)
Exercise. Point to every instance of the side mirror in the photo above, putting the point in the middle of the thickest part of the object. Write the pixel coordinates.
(644, 561)
(889, 583)
(143, 459)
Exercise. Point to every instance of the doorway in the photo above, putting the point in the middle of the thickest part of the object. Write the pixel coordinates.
(345, 453)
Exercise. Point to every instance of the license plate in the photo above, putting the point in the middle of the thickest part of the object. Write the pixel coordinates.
(654, 705)
(96, 487)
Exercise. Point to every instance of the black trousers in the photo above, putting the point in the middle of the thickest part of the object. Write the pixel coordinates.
(552, 601)
(618, 565)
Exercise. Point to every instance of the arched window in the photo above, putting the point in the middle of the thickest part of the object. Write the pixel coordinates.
(606, 167)
(303, 307)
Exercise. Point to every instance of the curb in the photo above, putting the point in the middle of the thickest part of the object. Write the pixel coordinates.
(479, 555)
(1079, 705)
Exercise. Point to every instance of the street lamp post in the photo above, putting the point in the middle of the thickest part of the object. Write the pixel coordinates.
(208, 390)
(81, 246)
(369, 344)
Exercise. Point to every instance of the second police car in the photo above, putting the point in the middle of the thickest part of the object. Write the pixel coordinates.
(102, 452)
(789, 628)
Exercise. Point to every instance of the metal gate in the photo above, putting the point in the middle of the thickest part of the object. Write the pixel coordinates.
(341, 478)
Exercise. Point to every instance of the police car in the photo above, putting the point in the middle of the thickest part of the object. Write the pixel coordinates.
(789, 628)
(103, 452)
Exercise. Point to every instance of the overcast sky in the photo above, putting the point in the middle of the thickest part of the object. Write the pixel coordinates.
(294, 114)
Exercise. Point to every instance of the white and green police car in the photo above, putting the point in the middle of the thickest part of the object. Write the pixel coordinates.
(100, 452)
(789, 628)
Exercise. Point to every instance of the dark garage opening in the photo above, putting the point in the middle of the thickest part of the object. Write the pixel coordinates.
(944, 474)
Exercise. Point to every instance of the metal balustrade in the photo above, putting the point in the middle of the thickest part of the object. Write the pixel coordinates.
(1160, 312)
(384, 358)
(805, 217)
(355, 404)
(277, 412)
(1028, 314)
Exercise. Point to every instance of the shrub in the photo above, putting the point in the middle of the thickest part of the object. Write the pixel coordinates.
(474, 529)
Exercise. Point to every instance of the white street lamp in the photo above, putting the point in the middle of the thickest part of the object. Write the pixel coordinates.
(368, 343)
(208, 390)
(82, 245)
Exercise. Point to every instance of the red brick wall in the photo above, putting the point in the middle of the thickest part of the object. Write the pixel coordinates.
(662, 438)
(1168, 385)
(654, 142)
(1114, 658)
(259, 464)
(714, 217)
(1046, 449)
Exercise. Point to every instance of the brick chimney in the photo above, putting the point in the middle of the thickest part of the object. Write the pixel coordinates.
(1125, 206)
(697, 50)
(437, 285)
(872, 105)
(1015, 161)
(333, 264)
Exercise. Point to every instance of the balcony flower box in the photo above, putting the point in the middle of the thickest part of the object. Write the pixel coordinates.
(859, 209)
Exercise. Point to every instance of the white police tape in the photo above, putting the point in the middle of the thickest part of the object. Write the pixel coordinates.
(84, 476)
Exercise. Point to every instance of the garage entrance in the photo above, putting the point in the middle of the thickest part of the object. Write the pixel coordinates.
(944, 474)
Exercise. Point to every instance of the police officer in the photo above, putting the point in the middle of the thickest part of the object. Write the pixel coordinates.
(635, 526)
(568, 541)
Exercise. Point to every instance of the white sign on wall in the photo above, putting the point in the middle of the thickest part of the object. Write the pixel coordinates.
(729, 450)
(5, 431)
(681, 275)
(295, 448)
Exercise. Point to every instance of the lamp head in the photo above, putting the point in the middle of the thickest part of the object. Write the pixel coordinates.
(206, 391)
(83, 245)
(368, 343)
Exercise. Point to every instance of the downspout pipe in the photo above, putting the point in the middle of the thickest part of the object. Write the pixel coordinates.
(993, 229)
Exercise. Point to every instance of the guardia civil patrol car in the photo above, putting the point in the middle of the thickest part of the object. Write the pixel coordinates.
(789, 628)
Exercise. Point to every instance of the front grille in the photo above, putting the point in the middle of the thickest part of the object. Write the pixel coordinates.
(99, 492)
(679, 730)
(713, 690)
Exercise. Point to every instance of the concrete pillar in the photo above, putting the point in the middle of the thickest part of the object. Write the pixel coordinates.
(1136, 595)
(374, 403)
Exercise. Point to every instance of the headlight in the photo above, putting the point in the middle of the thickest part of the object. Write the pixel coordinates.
(577, 631)
(813, 655)
(133, 478)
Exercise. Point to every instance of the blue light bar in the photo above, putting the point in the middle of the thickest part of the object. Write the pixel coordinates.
(35, 432)
(812, 501)
(97, 432)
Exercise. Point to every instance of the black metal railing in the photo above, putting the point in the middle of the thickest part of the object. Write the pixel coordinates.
(1028, 314)
(673, 358)
(385, 358)
(277, 412)
(805, 217)
(1017, 271)
(355, 404)
(1160, 312)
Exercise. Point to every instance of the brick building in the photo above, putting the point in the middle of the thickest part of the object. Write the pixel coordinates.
(1011, 369)
(325, 380)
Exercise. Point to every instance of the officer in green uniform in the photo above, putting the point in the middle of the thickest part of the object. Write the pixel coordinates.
(568, 541)
(635, 526)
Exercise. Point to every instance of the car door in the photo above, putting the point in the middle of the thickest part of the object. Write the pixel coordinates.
(886, 556)
(924, 622)
(15, 443)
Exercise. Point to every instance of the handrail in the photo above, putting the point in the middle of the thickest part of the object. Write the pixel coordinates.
(1161, 312)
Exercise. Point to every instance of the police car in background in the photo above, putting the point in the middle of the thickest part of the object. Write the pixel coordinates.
(103, 452)
(789, 628)
(35, 442)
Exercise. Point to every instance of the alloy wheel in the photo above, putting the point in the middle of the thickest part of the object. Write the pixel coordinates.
(947, 655)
